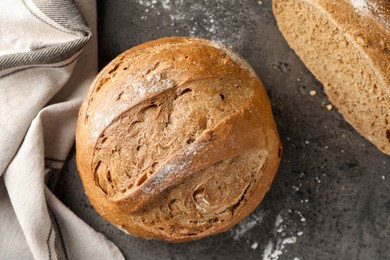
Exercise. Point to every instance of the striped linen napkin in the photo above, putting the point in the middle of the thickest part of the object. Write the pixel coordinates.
(48, 58)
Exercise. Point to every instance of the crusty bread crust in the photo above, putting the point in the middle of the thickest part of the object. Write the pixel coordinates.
(176, 140)
(346, 45)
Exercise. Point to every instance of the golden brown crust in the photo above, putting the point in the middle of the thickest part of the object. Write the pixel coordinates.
(346, 45)
(176, 141)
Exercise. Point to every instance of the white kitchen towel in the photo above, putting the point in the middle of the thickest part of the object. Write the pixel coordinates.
(48, 58)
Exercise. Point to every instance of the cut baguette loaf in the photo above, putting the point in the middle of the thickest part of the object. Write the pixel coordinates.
(346, 45)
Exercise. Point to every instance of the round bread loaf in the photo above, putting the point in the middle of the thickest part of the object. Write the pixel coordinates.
(176, 140)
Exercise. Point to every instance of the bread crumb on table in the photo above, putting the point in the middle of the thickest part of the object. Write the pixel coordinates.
(329, 107)
(254, 245)
(313, 92)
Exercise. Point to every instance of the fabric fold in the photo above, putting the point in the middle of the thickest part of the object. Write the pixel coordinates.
(48, 58)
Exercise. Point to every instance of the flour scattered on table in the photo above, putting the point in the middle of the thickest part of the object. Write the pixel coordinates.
(276, 246)
(303, 219)
(215, 20)
(279, 220)
(254, 245)
(247, 224)
(272, 252)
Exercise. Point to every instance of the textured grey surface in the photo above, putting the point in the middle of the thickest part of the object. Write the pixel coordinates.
(330, 199)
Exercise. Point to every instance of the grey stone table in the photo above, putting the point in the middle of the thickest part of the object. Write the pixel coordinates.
(331, 197)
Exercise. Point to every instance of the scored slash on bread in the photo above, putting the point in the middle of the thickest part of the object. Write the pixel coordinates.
(346, 45)
(176, 140)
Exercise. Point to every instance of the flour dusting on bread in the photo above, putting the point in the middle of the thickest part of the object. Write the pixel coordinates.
(359, 4)
(379, 12)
